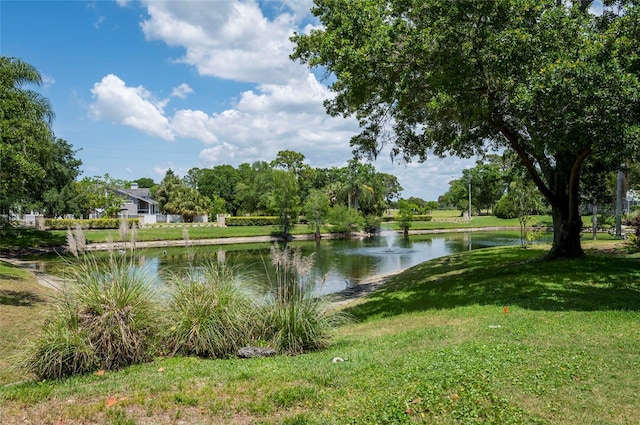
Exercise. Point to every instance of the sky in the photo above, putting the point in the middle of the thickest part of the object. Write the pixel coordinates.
(140, 87)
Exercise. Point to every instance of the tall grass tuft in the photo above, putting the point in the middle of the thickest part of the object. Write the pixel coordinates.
(211, 311)
(107, 316)
(295, 319)
(62, 348)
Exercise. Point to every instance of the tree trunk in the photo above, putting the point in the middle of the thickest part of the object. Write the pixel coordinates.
(594, 224)
(567, 224)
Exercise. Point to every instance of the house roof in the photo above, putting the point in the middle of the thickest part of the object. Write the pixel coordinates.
(140, 194)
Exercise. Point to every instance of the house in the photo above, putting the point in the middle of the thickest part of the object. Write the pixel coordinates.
(137, 202)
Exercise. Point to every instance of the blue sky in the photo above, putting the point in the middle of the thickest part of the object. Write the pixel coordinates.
(143, 86)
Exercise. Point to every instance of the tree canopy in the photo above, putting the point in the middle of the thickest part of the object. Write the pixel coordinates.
(35, 166)
(544, 78)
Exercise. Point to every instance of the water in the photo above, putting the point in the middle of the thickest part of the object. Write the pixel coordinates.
(338, 264)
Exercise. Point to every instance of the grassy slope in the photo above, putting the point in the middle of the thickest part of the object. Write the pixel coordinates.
(433, 346)
(23, 304)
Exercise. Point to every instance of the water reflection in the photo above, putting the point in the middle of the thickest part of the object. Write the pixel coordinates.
(339, 264)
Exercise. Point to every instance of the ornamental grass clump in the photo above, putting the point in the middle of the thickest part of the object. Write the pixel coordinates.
(211, 311)
(107, 317)
(295, 318)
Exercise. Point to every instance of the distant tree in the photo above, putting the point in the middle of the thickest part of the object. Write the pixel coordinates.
(429, 206)
(407, 210)
(284, 200)
(54, 194)
(95, 195)
(488, 183)
(145, 182)
(187, 202)
(290, 161)
(220, 181)
(192, 178)
(218, 206)
(315, 209)
(391, 187)
(345, 220)
(170, 184)
(595, 190)
(250, 190)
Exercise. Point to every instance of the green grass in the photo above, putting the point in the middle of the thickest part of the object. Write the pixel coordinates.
(176, 233)
(23, 304)
(434, 345)
(476, 221)
(26, 238)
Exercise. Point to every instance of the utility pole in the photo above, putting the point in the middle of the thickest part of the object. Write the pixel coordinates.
(469, 194)
(619, 205)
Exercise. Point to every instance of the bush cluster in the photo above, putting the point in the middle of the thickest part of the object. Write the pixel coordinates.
(634, 238)
(94, 223)
(108, 316)
(252, 221)
(422, 218)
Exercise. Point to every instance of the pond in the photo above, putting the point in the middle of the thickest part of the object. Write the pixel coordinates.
(338, 264)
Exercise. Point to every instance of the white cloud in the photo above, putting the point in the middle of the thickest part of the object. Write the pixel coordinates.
(234, 40)
(228, 39)
(221, 154)
(194, 124)
(131, 106)
(182, 91)
(47, 81)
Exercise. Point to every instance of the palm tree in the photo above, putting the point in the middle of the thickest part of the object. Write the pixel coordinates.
(188, 202)
(27, 139)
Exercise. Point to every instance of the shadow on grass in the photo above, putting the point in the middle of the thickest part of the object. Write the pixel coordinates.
(512, 277)
(19, 298)
(23, 238)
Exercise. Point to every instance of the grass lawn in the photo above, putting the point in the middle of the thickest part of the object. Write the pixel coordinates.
(23, 304)
(434, 345)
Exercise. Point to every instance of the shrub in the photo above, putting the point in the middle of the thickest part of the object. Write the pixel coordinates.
(211, 312)
(107, 316)
(344, 220)
(295, 319)
(372, 224)
(94, 223)
(118, 310)
(252, 221)
(634, 239)
(62, 348)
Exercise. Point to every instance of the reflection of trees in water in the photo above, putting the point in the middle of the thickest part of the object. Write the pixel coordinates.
(343, 263)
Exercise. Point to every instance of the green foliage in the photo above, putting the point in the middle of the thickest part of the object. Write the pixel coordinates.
(344, 220)
(295, 319)
(316, 209)
(62, 349)
(545, 79)
(372, 224)
(33, 162)
(252, 221)
(94, 223)
(218, 206)
(634, 239)
(284, 199)
(187, 202)
(107, 317)
(210, 311)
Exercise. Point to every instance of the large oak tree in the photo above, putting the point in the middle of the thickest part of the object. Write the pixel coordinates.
(544, 78)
